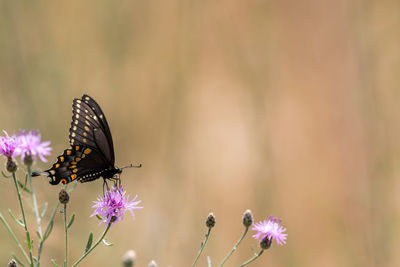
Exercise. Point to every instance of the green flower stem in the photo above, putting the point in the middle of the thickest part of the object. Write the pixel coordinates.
(234, 248)
(203, 244)
(51, 222)
(35, 206)
(253, 258)
(23, 216)
(14, 237)
(66, 235)
(94, 246)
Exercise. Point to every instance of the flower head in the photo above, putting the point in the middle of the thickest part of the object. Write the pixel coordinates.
(7, 145)
(63, 196)
(247, 218)
(113, 205)
(210, 220)
(29, 144)
(270, 228)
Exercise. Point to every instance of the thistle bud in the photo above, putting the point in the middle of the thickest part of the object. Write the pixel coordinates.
(266, 242)
(153, 264)
(28, 160)
(128, 260)
(11, 166)
(210, 221)
(247, 218)
(63, 197)
(12, 263)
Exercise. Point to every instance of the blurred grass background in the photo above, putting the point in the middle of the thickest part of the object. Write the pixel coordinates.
(283, 107)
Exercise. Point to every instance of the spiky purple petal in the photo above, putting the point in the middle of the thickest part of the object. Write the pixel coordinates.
(8, 145)
(29, 143)
(272, 229)
(114, 204)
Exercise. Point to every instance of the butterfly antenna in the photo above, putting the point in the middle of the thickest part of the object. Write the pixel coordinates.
(132, 166)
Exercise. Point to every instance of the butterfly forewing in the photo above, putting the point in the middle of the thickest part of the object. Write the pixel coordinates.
(89, 128)
(103, 121)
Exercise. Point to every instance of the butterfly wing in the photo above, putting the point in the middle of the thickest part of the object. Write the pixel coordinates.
(76, 163)
(89, 128)
(92, 152)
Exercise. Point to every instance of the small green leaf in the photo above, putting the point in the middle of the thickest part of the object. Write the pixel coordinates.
(89, 242)
(5, 175)
(99, 217)
(48, 230)
(71, 221)
(23, 187)
(35, 259)
(26, 180)
(46, 205)
(39, 235)
(107, 243)
(28, 241)
(20, 222)
(54, 263)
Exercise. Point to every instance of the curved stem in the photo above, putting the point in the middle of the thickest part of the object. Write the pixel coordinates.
(94, 246)
(253, 258)
(66, 235)
(234, 248)
(203, 244)
(35, 206)
(14, 237)
(23, 216)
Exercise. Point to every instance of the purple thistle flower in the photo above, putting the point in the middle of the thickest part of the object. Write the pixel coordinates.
(113, 205)
(29, 143)
(7, 145)
(270, 228)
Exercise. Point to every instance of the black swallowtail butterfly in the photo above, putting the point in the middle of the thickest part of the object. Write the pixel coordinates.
(91, 155)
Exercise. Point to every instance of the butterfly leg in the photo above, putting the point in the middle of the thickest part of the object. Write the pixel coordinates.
(105, 184)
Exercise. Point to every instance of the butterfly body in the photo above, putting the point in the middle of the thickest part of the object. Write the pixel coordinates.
(91, 154)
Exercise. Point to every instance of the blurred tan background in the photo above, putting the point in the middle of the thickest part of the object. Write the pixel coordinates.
(288, 108)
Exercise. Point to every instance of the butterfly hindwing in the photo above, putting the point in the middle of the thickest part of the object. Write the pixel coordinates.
(68, 165)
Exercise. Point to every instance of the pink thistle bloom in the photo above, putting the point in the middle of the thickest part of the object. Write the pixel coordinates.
(113, 206)
(270, 228)
(29, 143)
(8, 145)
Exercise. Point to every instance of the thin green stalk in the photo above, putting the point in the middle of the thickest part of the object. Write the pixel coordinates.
(23, 216)
(14, 237)
(66, 236)
(253, 258)
(35, 206)
(51, 221)
(203, 244)
(234, 248)
(94, 246)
